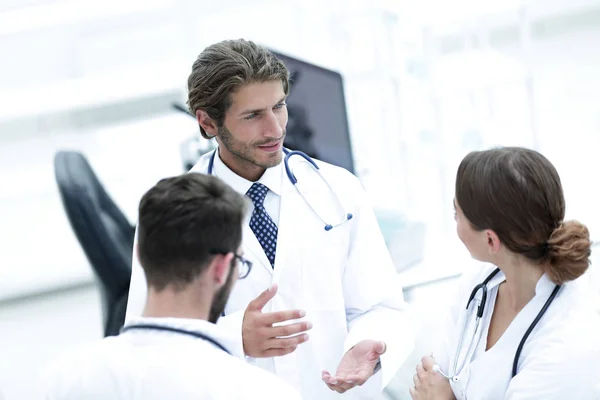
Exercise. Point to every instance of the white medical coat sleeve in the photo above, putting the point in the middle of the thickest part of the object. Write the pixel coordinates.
(375, 306)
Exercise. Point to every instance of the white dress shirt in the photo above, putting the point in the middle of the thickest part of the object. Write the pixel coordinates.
(271, 179)
(145, 364)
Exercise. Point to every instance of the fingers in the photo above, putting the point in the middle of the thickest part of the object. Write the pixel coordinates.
(261, 301)
(413, 394)
(279, 352)
(334, 383)
(327, 378)
(421, 374)
(346, 382)
(261, 339)
(358, 379)
(265, 345)
(428, 362)
(380, 348)
(287, 342)
(343, 383)
(281, 316)
(291, 329)
(344, 386)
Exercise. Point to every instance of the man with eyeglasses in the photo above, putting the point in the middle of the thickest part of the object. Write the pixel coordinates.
(189, 240)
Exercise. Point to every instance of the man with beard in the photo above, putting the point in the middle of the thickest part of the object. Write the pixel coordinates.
(189, 247)
(323, 306)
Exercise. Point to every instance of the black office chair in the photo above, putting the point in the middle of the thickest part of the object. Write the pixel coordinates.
(102, 230)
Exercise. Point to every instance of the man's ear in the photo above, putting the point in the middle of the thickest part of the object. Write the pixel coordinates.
(221, 268)
(207, 123)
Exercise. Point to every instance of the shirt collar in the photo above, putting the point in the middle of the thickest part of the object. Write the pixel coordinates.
(544, 285)
(214, 331)
(271, 178)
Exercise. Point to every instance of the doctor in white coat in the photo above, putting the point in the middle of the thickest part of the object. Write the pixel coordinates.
(537, 335)
(323, 308)
(190, 233)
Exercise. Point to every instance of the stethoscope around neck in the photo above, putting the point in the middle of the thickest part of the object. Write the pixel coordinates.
(155, 327)
(458, 367)
(294, 181)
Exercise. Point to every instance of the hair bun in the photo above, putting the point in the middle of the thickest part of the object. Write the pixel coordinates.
(569, 250)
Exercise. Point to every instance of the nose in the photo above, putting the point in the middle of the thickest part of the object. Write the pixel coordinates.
(272, 126)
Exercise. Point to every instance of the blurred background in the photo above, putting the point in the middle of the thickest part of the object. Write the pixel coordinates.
(412, 86)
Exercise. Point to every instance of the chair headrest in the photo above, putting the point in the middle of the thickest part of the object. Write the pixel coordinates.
(102, 230)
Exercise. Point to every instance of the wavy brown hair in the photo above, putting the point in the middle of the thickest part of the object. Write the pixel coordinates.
(517, 193)
(223, 68)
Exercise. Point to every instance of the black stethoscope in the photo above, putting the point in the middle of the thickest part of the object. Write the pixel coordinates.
(483, 287)
(293, 180)
(197, 335)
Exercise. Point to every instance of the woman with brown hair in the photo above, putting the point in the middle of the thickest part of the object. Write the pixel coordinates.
(523, 326)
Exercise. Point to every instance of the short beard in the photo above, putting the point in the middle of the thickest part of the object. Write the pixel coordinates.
(244, 153)
(222, 296)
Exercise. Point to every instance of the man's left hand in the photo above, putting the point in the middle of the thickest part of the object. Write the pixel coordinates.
(356, 367)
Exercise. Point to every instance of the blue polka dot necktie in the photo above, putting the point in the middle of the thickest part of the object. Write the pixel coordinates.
(261, 223)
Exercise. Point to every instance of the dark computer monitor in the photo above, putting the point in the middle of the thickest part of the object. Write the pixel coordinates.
(317, 119)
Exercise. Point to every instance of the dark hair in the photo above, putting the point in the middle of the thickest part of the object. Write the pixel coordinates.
(517, 193)
(181, 220)
(222, 68)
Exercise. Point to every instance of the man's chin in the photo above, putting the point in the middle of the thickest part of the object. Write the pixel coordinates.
(270, 161)
(276, 162)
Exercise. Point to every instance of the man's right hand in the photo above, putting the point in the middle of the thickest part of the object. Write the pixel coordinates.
(261, 339)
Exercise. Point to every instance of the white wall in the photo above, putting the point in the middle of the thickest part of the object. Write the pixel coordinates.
(40, 250)
(80, 73)
(409, 126)
(474, 99)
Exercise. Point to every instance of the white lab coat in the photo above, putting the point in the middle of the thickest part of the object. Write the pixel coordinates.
(158, 365)
(343, 278)
(559, 359)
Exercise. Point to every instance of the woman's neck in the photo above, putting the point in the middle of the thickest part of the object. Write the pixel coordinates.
(522, 278)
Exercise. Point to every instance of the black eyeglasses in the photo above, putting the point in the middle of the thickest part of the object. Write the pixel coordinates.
(245, 266)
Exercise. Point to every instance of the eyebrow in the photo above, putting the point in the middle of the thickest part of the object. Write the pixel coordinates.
(257, 110)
